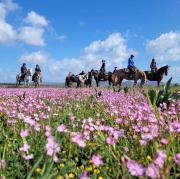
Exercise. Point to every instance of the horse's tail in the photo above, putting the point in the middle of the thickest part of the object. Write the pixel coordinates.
(144, 78)
(66, 83)
(114, 79)
(17, 79)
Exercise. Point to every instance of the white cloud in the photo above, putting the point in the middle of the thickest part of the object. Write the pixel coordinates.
(32, 35)
(113, 49)
(174, 72)
(35, 57)
(7, 32)
(6, 6)
(166, 47)
(35, 19)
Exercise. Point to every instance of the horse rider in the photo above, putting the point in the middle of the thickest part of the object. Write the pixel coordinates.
(153, 66)
(115, 70)
(131, 66)
(82, 73)
(23, 71)
(102, 69)
(37, 72)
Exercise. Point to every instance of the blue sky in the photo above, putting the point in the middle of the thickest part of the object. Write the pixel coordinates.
(67, 35)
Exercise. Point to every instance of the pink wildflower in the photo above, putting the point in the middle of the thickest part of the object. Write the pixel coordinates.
(83, 175)
(61, 128)
(24, 133)
(135, 169)
(164, 141)
(25, 147)
(177, 158)
(97, 160)
(28, 157)
(152, 171)
(110, 140)
(2, 163)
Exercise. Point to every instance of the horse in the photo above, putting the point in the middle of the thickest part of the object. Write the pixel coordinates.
(37, 79)
(25, 80)
(99, 76)
(158, 75)
(69, 80)
(79, 79)
(121, 74)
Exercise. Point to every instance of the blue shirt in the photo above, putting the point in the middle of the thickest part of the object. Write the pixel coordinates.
(130, 62)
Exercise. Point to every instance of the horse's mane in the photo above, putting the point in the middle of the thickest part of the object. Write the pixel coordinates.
(163, 68)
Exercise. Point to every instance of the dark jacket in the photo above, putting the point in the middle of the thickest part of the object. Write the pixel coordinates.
(23, 69)
(37, 70)
(102, 69)
(153, 65)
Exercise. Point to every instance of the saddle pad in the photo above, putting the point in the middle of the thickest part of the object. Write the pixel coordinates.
(126, 70)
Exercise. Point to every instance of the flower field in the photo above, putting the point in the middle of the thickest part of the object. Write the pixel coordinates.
(72, 133)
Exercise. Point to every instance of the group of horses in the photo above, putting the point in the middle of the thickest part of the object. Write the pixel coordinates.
(116, 78)
(27, 78)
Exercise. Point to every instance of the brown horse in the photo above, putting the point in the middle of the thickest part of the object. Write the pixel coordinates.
(79, 79)
(70, 79)
(158, 75)
(99, 76)
(121, 74)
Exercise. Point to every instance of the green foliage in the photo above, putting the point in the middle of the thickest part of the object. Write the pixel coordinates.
(126, 89)
(156, 97)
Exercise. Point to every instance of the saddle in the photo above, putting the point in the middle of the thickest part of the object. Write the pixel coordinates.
(152, 75)
(126, 70)
(103, 75)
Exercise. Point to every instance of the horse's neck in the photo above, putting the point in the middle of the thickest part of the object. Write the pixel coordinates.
(161, 71)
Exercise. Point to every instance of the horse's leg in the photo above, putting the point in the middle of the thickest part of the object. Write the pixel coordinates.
(158, 82)
(120, 82)
(135, 82)
(109, 82)
(97, 82)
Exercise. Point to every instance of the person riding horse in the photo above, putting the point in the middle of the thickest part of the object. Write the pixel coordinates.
(102, 69)
(82, 73)
(131, 66)
(153, 66)
(37, 72)
(115, 70)
(23, 71)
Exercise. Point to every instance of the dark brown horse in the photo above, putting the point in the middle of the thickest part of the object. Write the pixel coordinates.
(99, 76)
(158, 75)
(88, 81)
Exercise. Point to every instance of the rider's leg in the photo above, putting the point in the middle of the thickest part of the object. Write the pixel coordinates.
(130, 72)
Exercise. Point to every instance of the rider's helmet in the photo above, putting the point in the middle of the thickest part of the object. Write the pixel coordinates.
(83, 72)
(115, 67)
(132, 56)
(24, 64)
(103, 61)
(37, 66)
(153, 60)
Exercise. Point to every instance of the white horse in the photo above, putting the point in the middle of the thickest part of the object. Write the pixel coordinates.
(81, 80)
(26, 80)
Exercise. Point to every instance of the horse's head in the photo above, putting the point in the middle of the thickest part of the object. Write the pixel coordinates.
(89, 74)
(166, 70)
(29, 72)
(163, 70)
